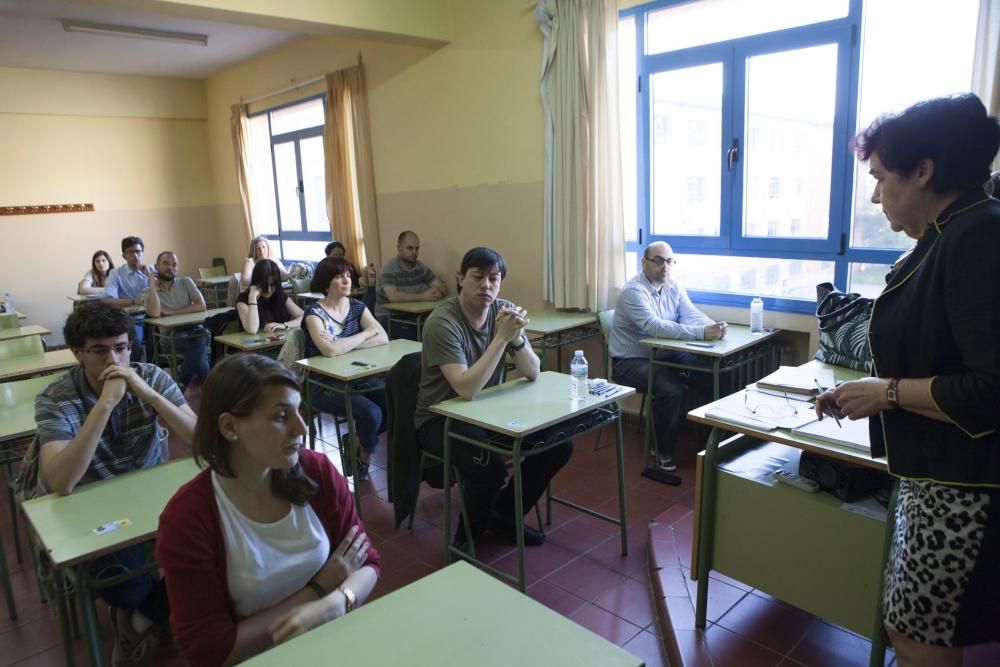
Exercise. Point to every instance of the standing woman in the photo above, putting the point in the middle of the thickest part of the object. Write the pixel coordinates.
(265, 306)
(264, 544)
(933, 402)
(335, 325)
(96, 279)
(259, 249)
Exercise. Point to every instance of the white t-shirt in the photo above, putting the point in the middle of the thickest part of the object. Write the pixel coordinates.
(267, 562)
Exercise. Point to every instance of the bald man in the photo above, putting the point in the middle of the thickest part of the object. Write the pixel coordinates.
(653, 305)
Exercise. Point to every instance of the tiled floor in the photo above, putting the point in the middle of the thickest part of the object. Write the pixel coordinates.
(579, 573)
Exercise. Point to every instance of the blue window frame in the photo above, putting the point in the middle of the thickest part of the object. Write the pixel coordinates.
(730, 230)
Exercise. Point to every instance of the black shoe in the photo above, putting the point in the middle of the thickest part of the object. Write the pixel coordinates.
(505, 527)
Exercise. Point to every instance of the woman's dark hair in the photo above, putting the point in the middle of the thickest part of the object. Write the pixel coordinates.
(955, 133)
(334, 244)
(100, 279)
(237, 385)
(267, 274)
(97, 320)
(326, 270)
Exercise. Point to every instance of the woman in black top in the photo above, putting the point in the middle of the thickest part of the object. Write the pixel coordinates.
(265, 306)
(936, 360)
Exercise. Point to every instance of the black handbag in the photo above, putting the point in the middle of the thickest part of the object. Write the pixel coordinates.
(843, 328)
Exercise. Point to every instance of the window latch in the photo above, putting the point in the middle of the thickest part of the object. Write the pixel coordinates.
(733, 154)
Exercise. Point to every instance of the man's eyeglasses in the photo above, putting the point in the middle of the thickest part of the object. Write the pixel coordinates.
(102, 352)
(773, 409)
(660, 261)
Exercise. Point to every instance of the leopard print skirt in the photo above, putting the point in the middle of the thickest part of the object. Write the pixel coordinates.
(942, 578)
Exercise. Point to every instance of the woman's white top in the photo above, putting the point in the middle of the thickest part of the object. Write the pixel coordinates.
(267, 562)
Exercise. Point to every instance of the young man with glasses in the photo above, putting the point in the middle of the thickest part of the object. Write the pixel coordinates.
(127, 284)
(653, 305)
(173, 295)
(99, 421)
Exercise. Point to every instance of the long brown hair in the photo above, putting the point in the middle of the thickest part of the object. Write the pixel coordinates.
(236, 385)
(100, 279)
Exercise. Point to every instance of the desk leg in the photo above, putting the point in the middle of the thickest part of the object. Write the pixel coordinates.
(309, 412)
(648, 440)
(621, 479)
(352, 447)
(5, 576)
(58, 593)
(85, 605)
(715, 378)
(446, 479)
(706, 525)
(877, 656)
(519, 514)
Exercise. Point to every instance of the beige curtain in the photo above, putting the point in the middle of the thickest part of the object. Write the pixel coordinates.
(350, 180)
(240, 132)
(986, 63)
(584, 255)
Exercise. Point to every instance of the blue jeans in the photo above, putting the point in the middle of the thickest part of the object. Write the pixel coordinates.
(193, 344)
(368, 409)
(144, 592)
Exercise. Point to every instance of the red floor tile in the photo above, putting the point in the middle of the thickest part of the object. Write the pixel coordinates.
(602, 622)
(632, 601)
(585, 579)
(728, 648)
(827, 646)
(775, 626)
(557, 599)
(649, 648)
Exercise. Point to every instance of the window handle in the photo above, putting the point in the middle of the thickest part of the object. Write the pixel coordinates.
(733, 154)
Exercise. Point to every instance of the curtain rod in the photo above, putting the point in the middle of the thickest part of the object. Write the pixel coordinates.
(288, 89)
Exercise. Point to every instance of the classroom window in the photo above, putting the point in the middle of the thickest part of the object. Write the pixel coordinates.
(288, 190)
(756, 179)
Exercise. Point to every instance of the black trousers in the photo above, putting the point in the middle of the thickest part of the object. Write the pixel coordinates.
(484, 472)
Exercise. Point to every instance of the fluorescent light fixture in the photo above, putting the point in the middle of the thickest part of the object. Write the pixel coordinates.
(72, 25)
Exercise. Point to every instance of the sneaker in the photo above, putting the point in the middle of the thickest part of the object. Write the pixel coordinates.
(667, 464)
(129, 646)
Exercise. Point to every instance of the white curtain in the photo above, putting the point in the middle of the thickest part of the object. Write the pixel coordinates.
(986, 65)
(584, 253)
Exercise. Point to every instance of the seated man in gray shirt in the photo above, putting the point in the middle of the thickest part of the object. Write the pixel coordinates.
(653, 305)
(465, 341)
(405, 278)
(177, 295)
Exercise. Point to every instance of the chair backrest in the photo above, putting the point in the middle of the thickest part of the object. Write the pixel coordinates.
(220, 262)
(401, 388)
(292, 350)
(212, 272)
(234, 290)
(300, 285)
(606, 319)
(8, 320)
(21, 347)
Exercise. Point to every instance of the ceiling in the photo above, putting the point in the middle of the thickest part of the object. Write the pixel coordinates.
(32, 37)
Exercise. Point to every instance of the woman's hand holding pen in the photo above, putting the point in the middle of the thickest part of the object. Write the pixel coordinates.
(855, 400)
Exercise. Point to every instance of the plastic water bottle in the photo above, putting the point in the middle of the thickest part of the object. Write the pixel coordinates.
(8, 303)
(756, 315)
(578, 369)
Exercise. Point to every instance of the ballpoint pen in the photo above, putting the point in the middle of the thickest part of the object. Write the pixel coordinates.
(819, 388)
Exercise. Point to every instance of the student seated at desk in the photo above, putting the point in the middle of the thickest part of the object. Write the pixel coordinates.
(128, 285)
(464, 344)
(178, 295)
(259, 249)
(96, 279)
(99, 421)
(337, 324)
(265, 306)
(405, 278)
(265, 544)
(335, 250)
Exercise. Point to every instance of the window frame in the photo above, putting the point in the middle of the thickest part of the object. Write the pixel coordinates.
(845, 32)
(296, 137)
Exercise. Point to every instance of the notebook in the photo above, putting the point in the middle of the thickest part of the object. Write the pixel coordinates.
(731, 417)
(853, 434)
(797, 380)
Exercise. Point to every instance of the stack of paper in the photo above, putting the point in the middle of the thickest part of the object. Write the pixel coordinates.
(853, 434)
(797, 380)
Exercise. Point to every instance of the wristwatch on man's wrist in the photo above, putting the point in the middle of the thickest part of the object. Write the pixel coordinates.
(892, 392)
(518, 348)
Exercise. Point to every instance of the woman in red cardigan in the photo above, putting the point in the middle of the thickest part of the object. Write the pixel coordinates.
(265, 543)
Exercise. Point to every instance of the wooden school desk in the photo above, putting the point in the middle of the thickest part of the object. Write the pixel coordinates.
(799, 547)
(165, 330)
(22, 332)
(454, 617)
(550, 329)
(413, 313)
(344, 372)
(64, 529)
(36, 364)
(514, 410)
(258, 342)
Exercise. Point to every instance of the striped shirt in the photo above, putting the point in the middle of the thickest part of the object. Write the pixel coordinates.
(645, 312)
(350, 326)
(131, 439)
(393, 275)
